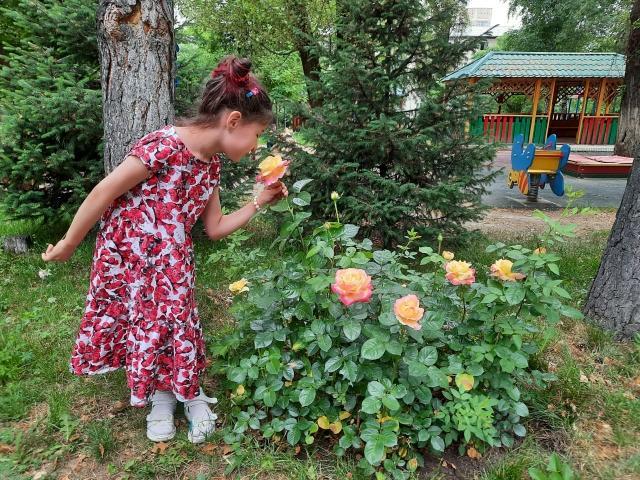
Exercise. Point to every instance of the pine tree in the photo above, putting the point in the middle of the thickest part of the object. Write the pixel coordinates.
(50, 107)
(389, 136)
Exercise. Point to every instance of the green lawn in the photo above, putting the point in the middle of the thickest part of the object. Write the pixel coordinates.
(56, 424)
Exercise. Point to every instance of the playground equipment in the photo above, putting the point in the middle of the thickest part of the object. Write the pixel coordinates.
(532, 169)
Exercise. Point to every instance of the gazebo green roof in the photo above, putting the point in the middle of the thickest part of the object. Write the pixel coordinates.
(543, 65)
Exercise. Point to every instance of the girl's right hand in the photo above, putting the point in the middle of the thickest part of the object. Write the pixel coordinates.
(60, 253)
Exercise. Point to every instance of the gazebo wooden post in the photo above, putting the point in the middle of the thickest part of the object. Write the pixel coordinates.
(552, 102)
(536, 99)
(603, 86)
(467, 124)
(585, 98)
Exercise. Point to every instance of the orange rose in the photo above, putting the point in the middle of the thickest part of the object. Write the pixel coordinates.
(272, 169)
(408, 311)
(540, 251)
(502, 269)
(352, 285)
(460, 273)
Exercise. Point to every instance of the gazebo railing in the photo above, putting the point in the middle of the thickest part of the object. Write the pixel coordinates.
(602, 130)
(502, 128)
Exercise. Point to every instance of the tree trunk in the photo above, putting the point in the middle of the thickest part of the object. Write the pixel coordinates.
(614, 298)
(137, 58)
(302, 39)
(628, 143)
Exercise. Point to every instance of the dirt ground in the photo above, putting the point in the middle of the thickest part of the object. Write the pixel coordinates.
(518, 221)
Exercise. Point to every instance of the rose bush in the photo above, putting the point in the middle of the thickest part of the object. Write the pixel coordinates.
(387, 353)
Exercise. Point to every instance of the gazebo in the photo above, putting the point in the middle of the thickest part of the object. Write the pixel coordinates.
(574, 95)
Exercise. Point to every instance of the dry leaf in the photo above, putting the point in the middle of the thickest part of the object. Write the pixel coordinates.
(4, 448)
(208, 448)
(39, 475)
(75, 463)
(119, 406)
(101, 448)
(297, 449)
(473, 453)
(159, 447)
(226, 450)
(583, 378)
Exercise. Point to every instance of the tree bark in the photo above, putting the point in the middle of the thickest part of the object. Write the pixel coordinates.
(614, 299)
(137, 59)
(302, 39)
(628, 142)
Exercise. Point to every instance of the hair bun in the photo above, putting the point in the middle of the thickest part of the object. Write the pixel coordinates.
(235, 70)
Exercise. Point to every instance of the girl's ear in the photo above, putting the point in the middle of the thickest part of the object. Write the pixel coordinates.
(233, 119)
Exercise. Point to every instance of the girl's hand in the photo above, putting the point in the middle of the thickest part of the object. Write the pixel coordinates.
(272, 194)
(60, 253)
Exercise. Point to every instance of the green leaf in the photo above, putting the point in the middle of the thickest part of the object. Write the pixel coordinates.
(437, 443)
(554, 268)
(390, 402)
(507, 365)
(307, 396)
(521, 409)
(263, 340)
(237, 375)
(417, 369)
(394, 347)
(537, 474)
(515, 294)
(333, 364)
(428, 355)
(371, 405)
(374, 452)
(373, 349)
(269, 398)
(300, 184)
(350, 371)
(375, 389)
(519, 430)
(352, 330)
(324, 342)
(281, 206)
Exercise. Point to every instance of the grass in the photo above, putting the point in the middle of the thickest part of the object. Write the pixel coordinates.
(56, 424)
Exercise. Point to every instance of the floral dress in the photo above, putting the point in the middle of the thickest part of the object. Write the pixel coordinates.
(140, 312)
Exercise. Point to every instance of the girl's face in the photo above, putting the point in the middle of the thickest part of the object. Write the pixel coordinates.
(240, 137)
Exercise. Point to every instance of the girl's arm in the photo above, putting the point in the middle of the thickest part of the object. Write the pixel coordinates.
(122, 179)
(219, 226)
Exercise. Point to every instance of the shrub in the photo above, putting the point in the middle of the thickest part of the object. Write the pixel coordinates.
(386, 352)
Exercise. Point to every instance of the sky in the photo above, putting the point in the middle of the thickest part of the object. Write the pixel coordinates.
(500, 11)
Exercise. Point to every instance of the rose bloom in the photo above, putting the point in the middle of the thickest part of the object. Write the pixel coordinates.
(408, 311)
(460, 273)
(272, 169)
(502, 270)
(447, 255)
(352, 285)
(239, 286)
(540, 251)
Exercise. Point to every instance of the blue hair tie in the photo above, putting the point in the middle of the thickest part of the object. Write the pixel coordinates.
(252, 92)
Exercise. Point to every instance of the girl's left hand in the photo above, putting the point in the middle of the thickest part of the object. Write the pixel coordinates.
(272, 194)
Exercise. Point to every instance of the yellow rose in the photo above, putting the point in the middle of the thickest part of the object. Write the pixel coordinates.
(239, 286)
(352, 285)
(408, 311)
(448, 255)
(501, 269)
(460, 273)
(272, 169)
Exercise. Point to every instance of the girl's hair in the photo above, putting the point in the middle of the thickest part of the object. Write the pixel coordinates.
(232, 86)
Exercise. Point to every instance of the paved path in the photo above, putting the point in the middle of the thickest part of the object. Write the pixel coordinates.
(599, 192)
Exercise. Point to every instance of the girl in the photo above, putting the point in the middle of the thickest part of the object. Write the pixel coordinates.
(140, 311)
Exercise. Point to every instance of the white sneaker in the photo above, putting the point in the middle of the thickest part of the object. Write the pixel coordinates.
(202, 421)
(160, 426)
